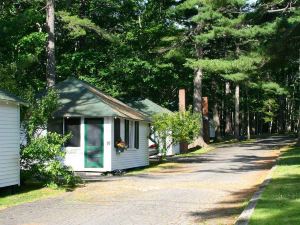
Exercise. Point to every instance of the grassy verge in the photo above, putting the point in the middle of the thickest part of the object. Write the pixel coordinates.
(26, 193)
(280, 202)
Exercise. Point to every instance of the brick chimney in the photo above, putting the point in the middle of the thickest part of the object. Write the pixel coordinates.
(181, 96)
(181, 100)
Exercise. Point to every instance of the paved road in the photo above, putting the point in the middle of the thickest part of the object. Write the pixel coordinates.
(209, 189)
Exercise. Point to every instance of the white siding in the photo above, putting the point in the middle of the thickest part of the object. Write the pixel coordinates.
(9, 144)
(75, 155)
(173, 149)
(132, 157)
(129, 159)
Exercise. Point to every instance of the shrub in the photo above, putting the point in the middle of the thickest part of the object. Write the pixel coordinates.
(176, 127)
(42, 157)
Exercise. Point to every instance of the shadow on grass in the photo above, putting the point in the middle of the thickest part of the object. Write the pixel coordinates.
(29, 187)
(25, 188)
(280, 202)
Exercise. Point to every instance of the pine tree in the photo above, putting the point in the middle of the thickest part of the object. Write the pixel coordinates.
(50, 73)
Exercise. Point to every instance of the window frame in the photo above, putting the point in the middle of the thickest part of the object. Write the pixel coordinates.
(66, 131)
(127, 132)
(117, 136)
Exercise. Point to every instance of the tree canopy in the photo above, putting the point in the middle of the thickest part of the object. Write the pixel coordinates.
(248, 53)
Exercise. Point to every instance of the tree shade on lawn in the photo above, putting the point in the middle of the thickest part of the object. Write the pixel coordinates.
(280, 202)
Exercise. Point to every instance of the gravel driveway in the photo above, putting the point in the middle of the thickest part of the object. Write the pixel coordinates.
(208, 189)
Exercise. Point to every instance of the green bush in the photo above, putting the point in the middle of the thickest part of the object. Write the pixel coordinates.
(178, 127)
(42, 157)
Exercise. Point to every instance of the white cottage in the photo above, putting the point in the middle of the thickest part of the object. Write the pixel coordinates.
(97, 122)
(9, 139)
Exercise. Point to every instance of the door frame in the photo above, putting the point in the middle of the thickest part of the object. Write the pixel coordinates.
(101, 141)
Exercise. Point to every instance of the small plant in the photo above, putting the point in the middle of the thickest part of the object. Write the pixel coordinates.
(120, 145)
(173, 128)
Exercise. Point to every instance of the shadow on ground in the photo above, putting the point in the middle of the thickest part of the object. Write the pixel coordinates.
(280, 202)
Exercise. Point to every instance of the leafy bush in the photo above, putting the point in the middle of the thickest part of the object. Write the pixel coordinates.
(176, 127)
(42, 157)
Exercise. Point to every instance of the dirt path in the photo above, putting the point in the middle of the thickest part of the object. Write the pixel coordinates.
(208, 189)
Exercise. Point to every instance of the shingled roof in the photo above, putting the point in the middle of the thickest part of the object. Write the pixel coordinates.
(5, 96)
(147, 107)
(78, 98)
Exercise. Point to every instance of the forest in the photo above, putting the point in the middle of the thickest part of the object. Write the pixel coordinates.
(243, 55)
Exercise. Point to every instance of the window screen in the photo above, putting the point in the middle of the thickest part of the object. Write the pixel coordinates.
(117, 133)
(56, 125)
(136, 134)
(127, 132)
(72, 125)
(131, 134)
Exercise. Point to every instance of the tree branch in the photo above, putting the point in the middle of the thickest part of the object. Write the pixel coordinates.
(287, 8)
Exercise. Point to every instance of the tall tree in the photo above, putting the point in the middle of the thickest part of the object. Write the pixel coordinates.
(50, 21)
(298, 142)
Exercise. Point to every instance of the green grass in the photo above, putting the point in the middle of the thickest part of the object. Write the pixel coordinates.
(280, 202)
(26, 193)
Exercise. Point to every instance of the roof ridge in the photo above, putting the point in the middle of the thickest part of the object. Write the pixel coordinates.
(13, 97)
(108, 99)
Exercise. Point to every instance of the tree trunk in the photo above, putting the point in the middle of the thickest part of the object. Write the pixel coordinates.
(50, 68)
(228, 126)
(197, 97)
(298, 142)
(237, 112)
(248, 119)
(216, 117)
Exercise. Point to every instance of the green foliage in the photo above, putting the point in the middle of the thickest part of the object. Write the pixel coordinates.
(270, 107)
(136, 48)
(40, 112)
(77, 27)
(42, 157)
(178, 127)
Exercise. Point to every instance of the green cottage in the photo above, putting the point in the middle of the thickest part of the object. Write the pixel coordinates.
(150, 108)
(100, 125)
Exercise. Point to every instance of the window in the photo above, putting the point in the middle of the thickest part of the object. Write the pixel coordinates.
(136, 134)
(117, 133)
(127, 132)
(131, 134)
(56, 125)
(72, 125)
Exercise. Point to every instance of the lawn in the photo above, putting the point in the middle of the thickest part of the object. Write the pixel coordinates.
(280, 202)
(26, 193)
